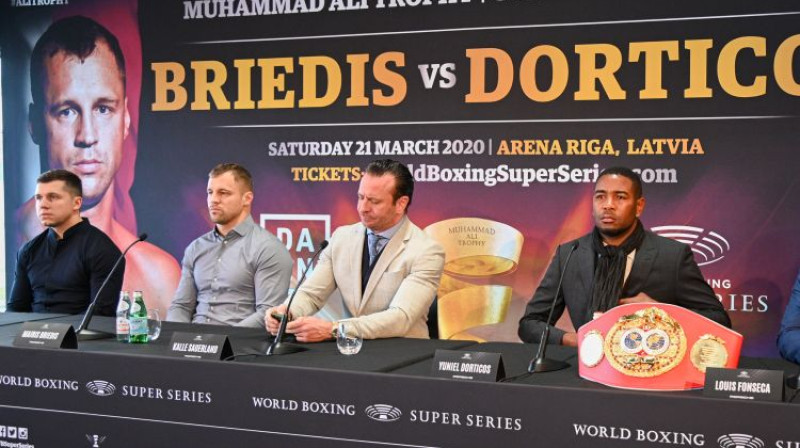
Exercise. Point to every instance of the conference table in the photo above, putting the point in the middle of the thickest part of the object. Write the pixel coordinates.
(111, 394)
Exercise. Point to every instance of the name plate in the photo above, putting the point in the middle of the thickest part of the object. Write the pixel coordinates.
(744, 384)
(46, 335)
(472, 366)
(200, 346)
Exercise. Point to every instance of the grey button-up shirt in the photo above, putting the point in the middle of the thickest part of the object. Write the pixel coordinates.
(232, 280)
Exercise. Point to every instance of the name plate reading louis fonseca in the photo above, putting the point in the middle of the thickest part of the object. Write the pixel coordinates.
(200, 346)
(46, 335)
(474, 366)
(744, 384)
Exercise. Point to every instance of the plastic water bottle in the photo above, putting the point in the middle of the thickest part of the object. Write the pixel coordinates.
(123, 325)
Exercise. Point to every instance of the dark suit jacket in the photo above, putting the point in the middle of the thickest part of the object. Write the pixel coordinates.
(663, 268)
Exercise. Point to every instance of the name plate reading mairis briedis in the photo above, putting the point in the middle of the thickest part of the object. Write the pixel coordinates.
(744, 384)
(471, 366)
(46, 335)
(200, 346)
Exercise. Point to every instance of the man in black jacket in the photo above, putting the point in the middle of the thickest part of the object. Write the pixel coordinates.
(617, 263)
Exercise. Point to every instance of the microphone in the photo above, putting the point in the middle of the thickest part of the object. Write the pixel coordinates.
(82, 332)
(539, 363)
(277, 347)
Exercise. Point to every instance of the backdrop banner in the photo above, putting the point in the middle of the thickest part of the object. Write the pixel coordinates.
(505, 111)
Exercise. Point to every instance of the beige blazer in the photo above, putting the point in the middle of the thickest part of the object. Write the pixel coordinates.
(400, 290)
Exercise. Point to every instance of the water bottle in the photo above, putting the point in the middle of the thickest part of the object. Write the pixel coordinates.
(138, 320)
(123, 325)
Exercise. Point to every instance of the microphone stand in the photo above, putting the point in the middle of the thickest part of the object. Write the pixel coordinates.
(83, 333)
(794, 381)
(277, 347)
(539, 363)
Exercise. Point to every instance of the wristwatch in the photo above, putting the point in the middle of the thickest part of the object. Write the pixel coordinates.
(335, 330)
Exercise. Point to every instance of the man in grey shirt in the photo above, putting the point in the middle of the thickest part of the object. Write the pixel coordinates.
(235, 272)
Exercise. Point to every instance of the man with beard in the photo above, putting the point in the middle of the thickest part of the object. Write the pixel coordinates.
(618, 263)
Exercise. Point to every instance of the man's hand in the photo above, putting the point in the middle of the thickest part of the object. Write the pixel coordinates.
(270, 322)
(638, 298)
(570, 339)
(310, 329)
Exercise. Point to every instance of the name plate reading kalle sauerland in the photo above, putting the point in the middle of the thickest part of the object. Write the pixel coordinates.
(200, 346)
(471, 366)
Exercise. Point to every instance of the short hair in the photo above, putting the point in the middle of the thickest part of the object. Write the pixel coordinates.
(72, 183)
(625, 172)
(76, 35)
(240, 173)
(404, 181)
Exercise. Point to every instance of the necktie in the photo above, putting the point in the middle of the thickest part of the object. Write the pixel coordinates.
(376, 243)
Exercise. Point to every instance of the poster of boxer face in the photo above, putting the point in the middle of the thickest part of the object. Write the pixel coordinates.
(504, 111)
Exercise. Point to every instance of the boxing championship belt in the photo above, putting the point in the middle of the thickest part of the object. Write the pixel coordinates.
(654, 346)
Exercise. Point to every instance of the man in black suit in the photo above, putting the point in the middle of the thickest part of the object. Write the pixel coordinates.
(617, 263)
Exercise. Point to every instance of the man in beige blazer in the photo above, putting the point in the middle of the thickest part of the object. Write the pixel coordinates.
(386, 269)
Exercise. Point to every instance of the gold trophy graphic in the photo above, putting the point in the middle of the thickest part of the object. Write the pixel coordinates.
(476, 250)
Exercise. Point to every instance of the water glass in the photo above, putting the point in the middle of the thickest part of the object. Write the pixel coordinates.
(153, 325)
(347, 339)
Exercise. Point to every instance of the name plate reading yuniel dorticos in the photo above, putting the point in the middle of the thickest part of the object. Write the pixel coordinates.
(472, 366)
(46, 335)
(744, 384)
(200, 346)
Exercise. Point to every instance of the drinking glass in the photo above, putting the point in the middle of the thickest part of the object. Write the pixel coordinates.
(347, 339)
(153, 325)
